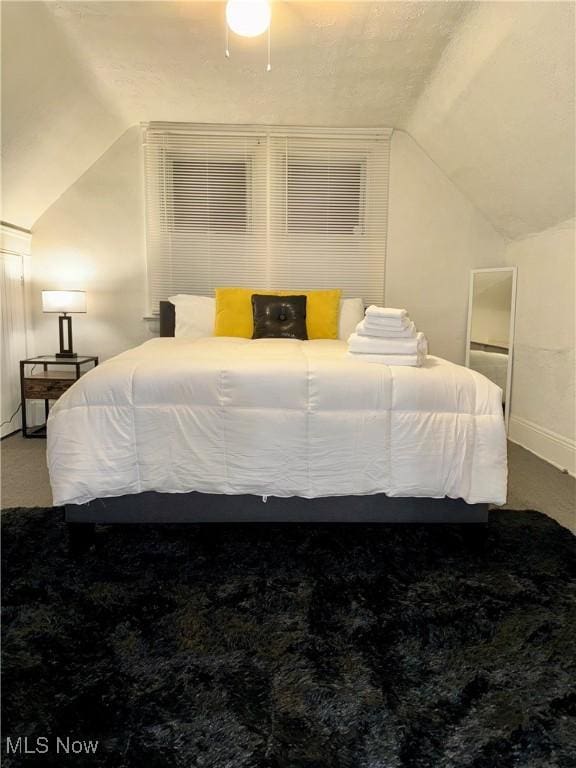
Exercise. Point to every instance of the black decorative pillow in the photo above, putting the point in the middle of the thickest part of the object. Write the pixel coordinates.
(279, 317)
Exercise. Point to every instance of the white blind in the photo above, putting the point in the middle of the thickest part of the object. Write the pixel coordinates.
(329, 208)
(264, 207)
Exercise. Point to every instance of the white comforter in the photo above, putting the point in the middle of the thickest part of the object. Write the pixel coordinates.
(275, 417)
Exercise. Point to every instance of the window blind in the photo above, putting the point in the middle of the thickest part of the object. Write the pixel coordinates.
(265, 208)
(329, 206)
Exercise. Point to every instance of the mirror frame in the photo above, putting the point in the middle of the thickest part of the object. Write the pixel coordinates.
(514, 271)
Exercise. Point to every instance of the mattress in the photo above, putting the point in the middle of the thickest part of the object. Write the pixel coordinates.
(275, 417)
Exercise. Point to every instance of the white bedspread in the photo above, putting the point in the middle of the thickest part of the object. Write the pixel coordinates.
(275, 417)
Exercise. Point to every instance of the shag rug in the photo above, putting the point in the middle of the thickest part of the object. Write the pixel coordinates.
(292, 646)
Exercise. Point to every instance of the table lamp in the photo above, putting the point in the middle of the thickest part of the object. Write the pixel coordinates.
(64, 302)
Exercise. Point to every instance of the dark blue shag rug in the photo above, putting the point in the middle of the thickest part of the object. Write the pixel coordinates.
(291, 646)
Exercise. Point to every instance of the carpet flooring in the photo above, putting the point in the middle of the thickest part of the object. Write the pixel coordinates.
(270, 646)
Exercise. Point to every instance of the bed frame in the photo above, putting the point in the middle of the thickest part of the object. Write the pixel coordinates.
(194, 507)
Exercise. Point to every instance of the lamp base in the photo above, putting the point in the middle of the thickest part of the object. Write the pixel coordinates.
(66, 350)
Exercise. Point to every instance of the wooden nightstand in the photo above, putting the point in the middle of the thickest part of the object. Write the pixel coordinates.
(48, 384)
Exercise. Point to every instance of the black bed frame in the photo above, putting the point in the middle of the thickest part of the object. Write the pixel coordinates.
(194, 507)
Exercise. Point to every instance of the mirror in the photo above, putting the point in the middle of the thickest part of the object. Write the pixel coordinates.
(490, 338)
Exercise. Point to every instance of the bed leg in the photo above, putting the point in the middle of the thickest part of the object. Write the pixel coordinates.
(80, 537)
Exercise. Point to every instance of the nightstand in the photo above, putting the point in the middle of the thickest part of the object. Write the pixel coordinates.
(49, 383)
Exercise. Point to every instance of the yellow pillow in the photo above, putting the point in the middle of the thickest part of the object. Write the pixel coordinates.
(234, 312)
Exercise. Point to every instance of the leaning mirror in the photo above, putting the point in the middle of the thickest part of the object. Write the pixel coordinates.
(490, 338)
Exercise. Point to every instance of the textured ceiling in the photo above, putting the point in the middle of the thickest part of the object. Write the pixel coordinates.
(499, 114)
(78, 73)
(333, 63)
(483, 87)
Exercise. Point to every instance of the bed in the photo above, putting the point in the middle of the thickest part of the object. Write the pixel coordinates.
(206, 430)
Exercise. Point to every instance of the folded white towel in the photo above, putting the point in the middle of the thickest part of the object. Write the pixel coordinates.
(387, 324)
(372, 345)
(364, 328)
(385, 312)
(413, 360)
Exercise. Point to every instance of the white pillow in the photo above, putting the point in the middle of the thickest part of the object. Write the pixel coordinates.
(351, 313)
(194, 316)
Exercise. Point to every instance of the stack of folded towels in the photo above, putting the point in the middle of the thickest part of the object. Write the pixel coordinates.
(387, 336)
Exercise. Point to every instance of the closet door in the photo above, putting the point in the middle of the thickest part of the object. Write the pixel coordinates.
(13, 320)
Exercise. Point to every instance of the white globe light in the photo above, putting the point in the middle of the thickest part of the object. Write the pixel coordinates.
(248, 18)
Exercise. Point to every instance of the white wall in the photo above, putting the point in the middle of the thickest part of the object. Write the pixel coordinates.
(93, 238)
(543, 397)
(435, 237)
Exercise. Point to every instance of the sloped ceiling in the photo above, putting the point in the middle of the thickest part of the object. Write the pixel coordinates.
(79, 73)
(498, 115)
(486, 88)
(57, 119)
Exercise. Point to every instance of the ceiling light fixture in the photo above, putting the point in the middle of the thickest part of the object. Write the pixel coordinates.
(248, 18)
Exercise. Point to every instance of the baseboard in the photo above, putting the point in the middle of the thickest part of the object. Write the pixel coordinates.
(550, 446)
(9, 434)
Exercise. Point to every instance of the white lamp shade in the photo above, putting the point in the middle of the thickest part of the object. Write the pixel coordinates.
(63, 301)
(248, 18)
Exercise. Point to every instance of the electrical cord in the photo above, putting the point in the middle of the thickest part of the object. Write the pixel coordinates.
(8, 421)
(11, 417)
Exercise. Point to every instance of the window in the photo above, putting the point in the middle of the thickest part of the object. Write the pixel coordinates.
(266, 208)
(324, 197)
(210, 193)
